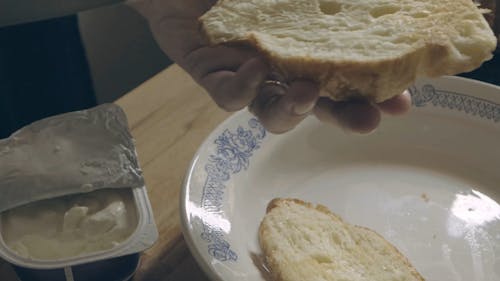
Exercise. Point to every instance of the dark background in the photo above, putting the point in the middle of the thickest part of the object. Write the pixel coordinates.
(43, 72)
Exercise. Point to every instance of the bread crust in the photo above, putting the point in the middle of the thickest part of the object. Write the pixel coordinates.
(269, 257)
(489, 15)
(374, 80)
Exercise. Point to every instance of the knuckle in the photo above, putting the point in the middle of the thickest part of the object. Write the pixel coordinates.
(193, 67)
(275, 126)
(229, 105)
(277, 130)
(249, 84)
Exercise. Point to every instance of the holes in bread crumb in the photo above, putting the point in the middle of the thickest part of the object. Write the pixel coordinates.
(385, 10)
(330, 7)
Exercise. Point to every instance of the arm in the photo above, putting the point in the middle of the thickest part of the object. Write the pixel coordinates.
(16, 11)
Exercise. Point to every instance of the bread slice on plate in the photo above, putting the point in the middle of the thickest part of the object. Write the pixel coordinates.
(301, 242)
(369, 49)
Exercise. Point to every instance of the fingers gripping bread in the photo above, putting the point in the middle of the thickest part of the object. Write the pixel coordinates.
(370, 49)
(301, 241)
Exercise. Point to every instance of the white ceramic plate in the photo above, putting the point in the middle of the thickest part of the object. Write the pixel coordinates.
(429, 182)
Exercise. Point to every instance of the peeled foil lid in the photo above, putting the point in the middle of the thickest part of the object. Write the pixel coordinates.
(71, 153)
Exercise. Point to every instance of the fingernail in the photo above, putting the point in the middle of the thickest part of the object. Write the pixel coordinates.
(304, 108)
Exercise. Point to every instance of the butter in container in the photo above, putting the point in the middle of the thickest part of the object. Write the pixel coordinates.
(74, 205)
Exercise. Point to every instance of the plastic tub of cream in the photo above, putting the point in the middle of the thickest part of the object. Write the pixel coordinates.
(73, 205)
(92, 236)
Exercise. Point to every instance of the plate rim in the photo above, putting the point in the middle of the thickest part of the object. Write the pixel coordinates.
(186, 188)
(184, 197)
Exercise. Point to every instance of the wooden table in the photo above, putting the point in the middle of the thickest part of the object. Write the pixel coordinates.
(169, 116)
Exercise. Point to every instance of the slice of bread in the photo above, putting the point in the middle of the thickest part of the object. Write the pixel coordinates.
(301, 242)
(369, 49)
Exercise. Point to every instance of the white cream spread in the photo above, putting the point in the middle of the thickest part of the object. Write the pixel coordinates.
(70, 226)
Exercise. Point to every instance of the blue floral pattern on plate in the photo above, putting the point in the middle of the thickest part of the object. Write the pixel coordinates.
(232, 155)
(235, 148)
(429, 95)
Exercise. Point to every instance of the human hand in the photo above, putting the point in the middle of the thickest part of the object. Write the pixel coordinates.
(235, 76)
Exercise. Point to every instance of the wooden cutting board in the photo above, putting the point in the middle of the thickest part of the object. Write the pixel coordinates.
(169, 116)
